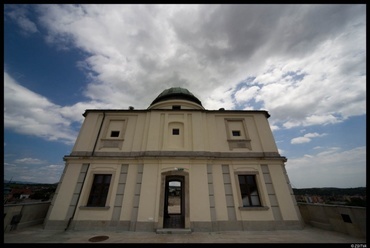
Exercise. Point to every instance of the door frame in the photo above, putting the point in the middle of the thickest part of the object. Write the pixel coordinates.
(175, 175)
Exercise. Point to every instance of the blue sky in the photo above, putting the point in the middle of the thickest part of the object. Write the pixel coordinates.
(304, 64)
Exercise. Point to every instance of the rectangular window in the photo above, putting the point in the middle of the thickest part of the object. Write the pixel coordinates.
(114, 134)
(248, 190)
(236, 133)
(176, 107)
(176, 131)
(99, 190)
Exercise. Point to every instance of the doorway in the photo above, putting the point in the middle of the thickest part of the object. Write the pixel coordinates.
(174, 202)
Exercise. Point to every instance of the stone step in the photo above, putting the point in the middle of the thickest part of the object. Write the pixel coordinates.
(173, 231)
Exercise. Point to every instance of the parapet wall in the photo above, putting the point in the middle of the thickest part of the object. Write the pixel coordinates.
(344, 219)
(24, 215)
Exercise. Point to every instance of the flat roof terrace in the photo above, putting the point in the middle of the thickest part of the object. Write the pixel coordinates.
(36, 234)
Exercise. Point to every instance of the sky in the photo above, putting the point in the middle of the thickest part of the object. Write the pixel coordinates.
(304, 64)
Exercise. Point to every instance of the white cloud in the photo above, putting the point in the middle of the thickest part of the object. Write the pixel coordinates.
(318, 147)
(323, 119)
(274, 127)
(8, 164)
(55, 166)
(281, 151)
(306, 138)
(245, 94)
(307, 61)
(313, 135)
(300, 140)
(28, 113)
(331, 150)
(331, 168)
(332, 89)
(272, 75)
(19, 14)
(220, 98)
(34, 173)
(138, 50)
(29, 161)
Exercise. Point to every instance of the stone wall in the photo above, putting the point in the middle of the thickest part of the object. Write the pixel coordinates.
(344, 219)
(24, 215)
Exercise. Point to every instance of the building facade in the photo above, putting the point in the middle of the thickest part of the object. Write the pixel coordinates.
(223, 165)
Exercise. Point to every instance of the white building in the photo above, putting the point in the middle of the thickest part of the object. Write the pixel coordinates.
(226, 163)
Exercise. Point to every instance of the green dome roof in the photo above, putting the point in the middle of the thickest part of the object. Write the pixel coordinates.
(176, 93)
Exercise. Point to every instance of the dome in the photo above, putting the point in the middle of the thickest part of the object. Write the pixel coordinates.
(176, 93)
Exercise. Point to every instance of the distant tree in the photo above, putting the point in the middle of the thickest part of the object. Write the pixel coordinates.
(357, 202)
(16, 195)
(331, 191)
(43, 192)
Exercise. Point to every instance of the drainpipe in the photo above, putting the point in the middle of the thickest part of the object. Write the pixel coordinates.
(97, 137)
(83, 182)
(78, 199)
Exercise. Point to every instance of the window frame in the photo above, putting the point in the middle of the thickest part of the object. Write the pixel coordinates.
(105, 194)
(248, 188)
(106, 131)
(260, 192)
(106, 140)
(237, 142)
